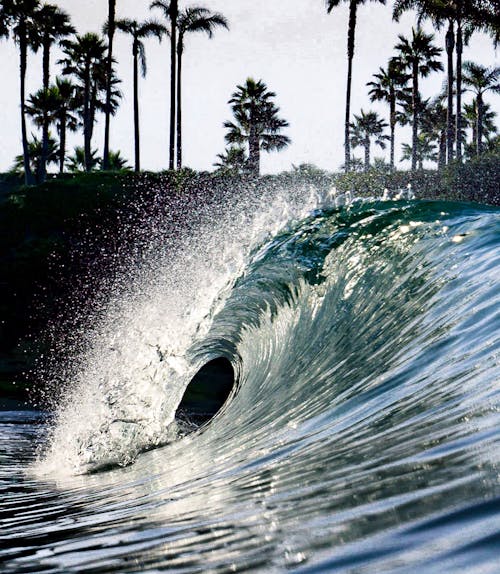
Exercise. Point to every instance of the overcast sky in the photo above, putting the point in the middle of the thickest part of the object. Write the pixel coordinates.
(293, 45)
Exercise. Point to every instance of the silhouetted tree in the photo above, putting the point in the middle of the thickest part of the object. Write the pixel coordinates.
(256, 122)
(390, 86)
(19, 16)
(365, 128)
(193, 19)
(139, 31)
(171, 12)
(353, 7)
(108, 110)
(53, 25)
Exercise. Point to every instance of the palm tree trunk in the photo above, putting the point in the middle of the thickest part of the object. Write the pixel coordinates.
(443, 141)
(414, 103)
(253, 148)
(42, 173)
(479, 123)
(173, 78)
(62, 143)
(458, 118)
(350, 54)
(109, 74)
(450, 46)
(179, 105)
(367, 154)
(136, 110)
(23, 50)
(392, 123)
(86, 121)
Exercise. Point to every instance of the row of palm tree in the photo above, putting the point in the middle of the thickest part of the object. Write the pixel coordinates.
(462, 18)
(431, 140)
(257, 127)
(88, 61)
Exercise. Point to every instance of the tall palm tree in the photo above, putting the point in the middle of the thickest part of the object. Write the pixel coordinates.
(353, 7)
(53, 25)
(256, 122)
(418, 55)
(109, 81)
(19, 14)
(139, 31)
(85, 60)
(390, 86)
(481, 80)
(171, 12)
(368, 126)
(193, 19)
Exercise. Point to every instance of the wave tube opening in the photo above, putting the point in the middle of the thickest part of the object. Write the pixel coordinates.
(207, 393)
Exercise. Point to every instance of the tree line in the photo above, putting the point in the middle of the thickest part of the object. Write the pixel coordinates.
(88, 86)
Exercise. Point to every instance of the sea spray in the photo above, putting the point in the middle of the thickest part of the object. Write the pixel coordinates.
(126, 384)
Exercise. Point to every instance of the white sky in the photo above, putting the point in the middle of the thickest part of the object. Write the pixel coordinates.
(293, 45)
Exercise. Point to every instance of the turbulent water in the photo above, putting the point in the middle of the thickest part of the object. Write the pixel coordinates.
(363, 434)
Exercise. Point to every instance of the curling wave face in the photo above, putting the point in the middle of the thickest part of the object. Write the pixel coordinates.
(363, 432)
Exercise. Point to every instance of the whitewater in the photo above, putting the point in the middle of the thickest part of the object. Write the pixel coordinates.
(362, 433)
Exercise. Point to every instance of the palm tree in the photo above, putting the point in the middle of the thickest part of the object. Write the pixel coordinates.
(194, 19)
(139, 31)
(109, 84)
(80, 161)
(256, 122)
(53, 25)
(55, 106)
(472, 15)
(35, 149)
(85, 60)
(171, 11)
(117, 162)
(390, 86)
(489, 128)
(426, 150)
(19, 15)
(418, 55)
(64, 114)
(353, 7)
(480, 80)
(366, 127)
(233, 160)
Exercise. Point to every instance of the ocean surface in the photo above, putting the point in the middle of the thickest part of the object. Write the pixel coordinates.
(363, 431)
